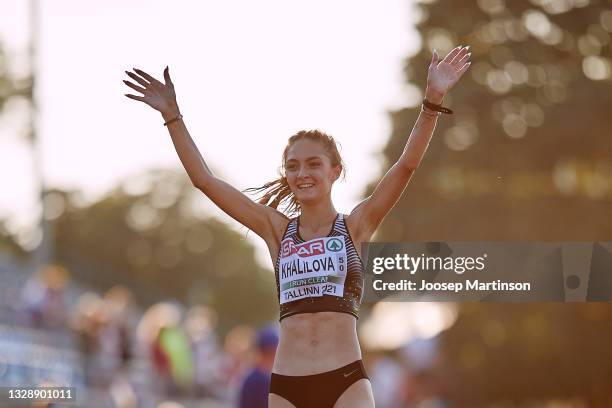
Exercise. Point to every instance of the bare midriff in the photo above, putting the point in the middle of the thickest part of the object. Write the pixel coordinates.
(313, 343)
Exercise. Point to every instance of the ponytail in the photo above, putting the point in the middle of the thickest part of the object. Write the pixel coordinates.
(275, 193)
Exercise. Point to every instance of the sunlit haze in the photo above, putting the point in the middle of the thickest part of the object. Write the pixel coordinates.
(248, 75)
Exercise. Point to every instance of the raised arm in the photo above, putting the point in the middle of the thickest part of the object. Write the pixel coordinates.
(162, 97)
(441, 77)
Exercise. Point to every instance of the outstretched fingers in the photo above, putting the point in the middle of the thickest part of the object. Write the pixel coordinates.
(135, 87)
(136, 97)
(449, 57)
(137, 79)
(461, 62)
(464, 68)
(146, 76)
(462, 53)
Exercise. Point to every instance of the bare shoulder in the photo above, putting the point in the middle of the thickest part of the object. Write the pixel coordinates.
(277, 225)
(354, 230)
(356, 223)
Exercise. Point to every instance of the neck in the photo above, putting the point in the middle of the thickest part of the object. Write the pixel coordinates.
(318, 215)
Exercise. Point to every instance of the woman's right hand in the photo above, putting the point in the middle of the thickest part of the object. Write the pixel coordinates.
(156, 94)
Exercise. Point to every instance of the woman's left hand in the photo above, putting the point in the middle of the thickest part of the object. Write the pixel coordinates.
(443, 74)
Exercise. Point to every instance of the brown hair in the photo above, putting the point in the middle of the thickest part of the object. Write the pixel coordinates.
(277, 192)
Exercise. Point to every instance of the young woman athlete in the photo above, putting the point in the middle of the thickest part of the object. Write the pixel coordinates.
(316, 256)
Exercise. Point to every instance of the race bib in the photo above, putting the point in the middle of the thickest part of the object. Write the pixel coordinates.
(312, 269)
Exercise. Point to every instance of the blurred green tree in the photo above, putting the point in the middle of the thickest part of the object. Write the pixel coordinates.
(8, 243)
(520, 352)
(152, 235)
(12, 87)
(526, 156)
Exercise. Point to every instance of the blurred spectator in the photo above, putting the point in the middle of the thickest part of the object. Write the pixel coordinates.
(42, 298)
(238, 349)
(256, 385)
(120, 304)
(173, 357)
(200, 326)
(154, 318)
(170, 348)
(426, 391)
(387, 378)
(123, 394)
(87, 322)
(116, 340)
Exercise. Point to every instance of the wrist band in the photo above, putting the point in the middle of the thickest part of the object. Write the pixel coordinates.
(178, 117)
(429, 112)
(437, 108)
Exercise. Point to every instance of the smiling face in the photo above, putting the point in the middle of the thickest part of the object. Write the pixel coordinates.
(309, 171)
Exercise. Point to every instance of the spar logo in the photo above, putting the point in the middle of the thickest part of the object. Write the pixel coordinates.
(310, 248)
(334, 245)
